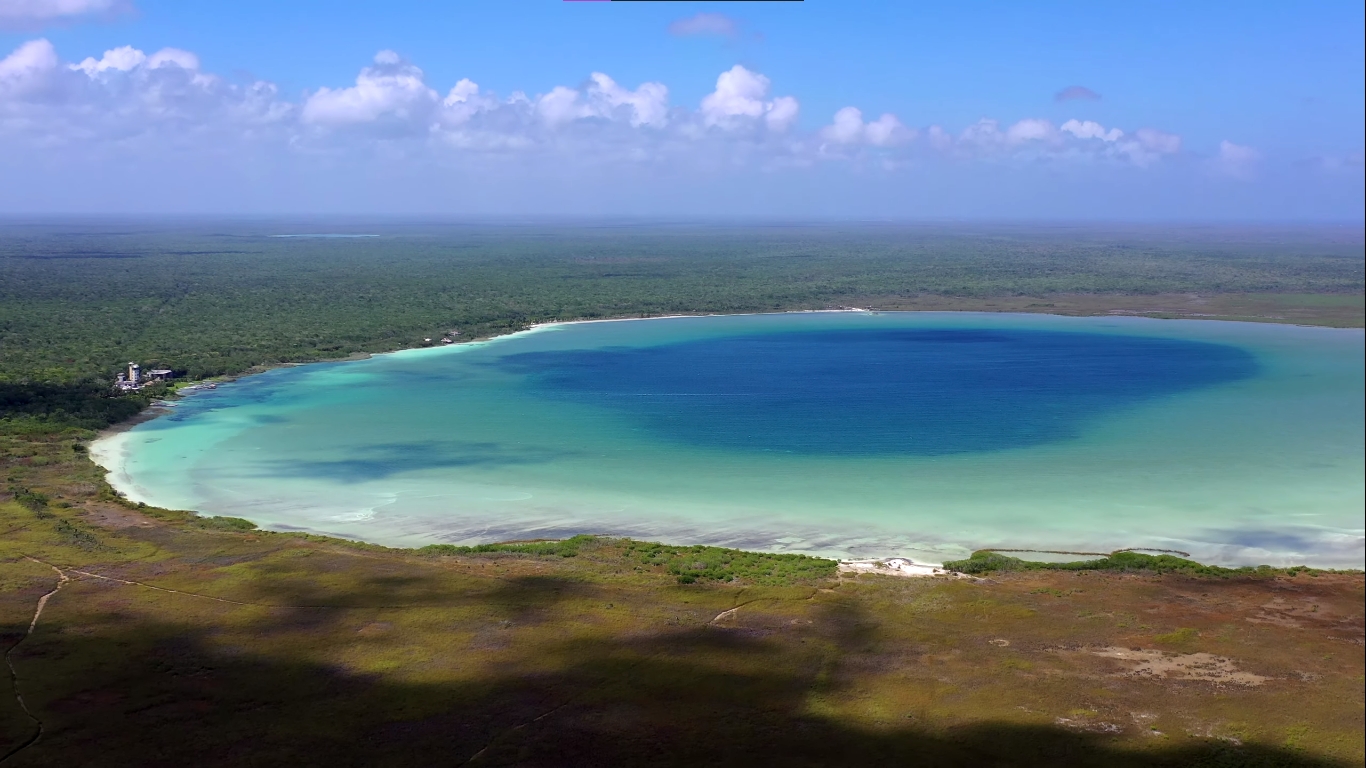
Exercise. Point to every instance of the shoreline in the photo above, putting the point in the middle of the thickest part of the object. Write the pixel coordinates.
(550, 324)
(110, 453)
(155, 411)
(141, 417)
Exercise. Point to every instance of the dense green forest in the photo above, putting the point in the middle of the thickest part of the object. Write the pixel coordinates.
(80, 298)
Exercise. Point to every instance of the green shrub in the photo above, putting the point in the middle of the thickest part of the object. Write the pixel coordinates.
(701, 563)
(227, 523)
(988, 561)
(1182, 635)
(566, 548)
(33, 501)
(76, 536)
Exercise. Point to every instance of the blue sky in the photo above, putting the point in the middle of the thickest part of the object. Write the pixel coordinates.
(1192, 110)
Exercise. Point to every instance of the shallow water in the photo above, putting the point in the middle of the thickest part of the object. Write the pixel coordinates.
(849, 434)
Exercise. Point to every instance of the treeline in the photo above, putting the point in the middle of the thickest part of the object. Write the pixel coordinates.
(40, 408)
(78, 301)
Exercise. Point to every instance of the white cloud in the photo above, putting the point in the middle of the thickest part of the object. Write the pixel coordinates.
(980, 137)
(1237, 160)
(1039, 139)
(22, 13)
(940, 139)
(740, 94)
(781, 113)
(561, 105)
(1030, 129)
(1091, 130)
(462, 92)
(121, 59)
(24, 70)
(848, 128)
(648, 104)
(124, 95)
(173, 57)
(717, 24)
(390, 88)
(1158, 142)
(886, 131)
(1147, 146)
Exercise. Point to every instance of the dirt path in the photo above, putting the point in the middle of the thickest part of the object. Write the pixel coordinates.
(64, 578)
(62, 581)
(176, 591)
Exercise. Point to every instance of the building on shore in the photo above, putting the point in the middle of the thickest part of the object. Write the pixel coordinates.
(132, 378)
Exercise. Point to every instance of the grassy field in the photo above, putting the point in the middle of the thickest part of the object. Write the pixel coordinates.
(175, 640)
(167, 639)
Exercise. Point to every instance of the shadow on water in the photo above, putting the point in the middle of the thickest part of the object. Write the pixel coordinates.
(378, 462)
(156, 694)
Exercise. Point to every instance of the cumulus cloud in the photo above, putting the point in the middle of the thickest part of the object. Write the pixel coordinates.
(390, 87)
(1091, 130)
(27, 67)
(29, 13)
(714, 24)
(1158, 142)
(604, 98)
(126, 95)
(848, 128)
(1076, 93)
(1030, 129)
(646, 105)
(1040, 139)
(123, 95)
(740, 94)
(1237, 160)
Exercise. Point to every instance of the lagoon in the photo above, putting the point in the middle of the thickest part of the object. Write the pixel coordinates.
(846, 434)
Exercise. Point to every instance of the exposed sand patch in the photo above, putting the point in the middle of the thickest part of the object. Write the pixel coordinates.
(1183, 666)
(1086, 725)
(895, 566)
(375, 628)
(111, 516)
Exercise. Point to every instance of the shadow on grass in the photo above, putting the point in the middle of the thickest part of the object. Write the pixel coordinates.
(516, 597)
(162, 695)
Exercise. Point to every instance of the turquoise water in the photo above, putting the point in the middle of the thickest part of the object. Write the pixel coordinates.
(845, 434)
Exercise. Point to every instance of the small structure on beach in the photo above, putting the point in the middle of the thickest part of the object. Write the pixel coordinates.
(132, 378)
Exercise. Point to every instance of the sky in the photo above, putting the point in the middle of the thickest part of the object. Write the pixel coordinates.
(1249, 111)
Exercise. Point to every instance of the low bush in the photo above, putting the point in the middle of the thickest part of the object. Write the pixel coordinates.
(700, 563)
(565, 548)
(227, 523)
(988, 561)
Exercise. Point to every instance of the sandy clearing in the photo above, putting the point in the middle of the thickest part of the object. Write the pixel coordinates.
(1183, 666)
(896, 566)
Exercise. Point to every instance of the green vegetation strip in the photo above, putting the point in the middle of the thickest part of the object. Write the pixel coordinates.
(990, 561)
(689, 565)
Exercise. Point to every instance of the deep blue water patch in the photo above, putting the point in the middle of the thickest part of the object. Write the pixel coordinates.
(378, 462)
(865, 392)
